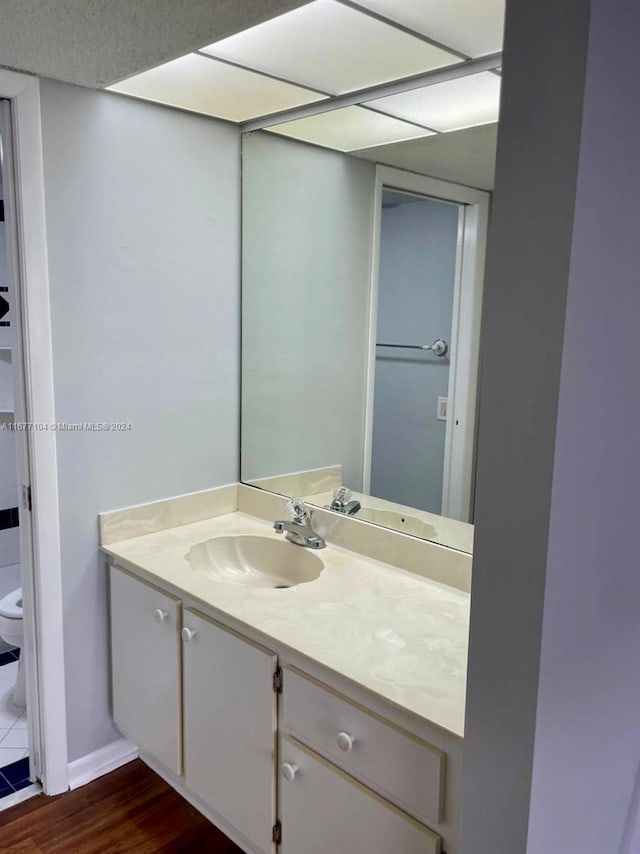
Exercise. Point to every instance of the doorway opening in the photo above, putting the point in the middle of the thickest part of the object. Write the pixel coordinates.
(419, 239)
(14, 731)
(33, 717)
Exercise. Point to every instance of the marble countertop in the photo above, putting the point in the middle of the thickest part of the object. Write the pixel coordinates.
(399, 635)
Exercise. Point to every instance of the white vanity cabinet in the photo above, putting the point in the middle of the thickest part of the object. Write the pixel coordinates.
(280, 761)
(230, 726)
(145, 664)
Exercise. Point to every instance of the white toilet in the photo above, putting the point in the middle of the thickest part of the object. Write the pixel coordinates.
(11, 632)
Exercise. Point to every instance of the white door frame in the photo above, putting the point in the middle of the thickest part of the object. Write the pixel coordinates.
(40, 529)
(465, 330)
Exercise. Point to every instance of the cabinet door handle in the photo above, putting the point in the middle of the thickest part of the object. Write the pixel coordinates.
(160, 616)
(289, 771)
(188, 634)
(345, 742)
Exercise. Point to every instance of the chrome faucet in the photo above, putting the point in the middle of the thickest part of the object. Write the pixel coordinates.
(342, 502)
(299, 530)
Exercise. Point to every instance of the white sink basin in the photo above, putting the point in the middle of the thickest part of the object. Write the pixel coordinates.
(397, 521)
(255, 562)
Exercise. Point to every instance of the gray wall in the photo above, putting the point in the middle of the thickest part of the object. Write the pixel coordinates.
(587, 741)
(143, 230)
(415, 303)
(552, 740)
(307, 226)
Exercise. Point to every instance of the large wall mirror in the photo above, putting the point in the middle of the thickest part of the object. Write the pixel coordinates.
(363, 266)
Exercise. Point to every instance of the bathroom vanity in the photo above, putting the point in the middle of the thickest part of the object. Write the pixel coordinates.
(304, 716)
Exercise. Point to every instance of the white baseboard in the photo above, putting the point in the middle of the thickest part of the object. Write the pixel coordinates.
(94, 765)
(20, 796)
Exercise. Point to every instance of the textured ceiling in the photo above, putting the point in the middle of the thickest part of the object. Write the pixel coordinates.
(97, 42)
(464, 156)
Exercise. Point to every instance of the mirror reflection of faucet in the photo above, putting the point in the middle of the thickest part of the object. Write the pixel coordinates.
(342, 502)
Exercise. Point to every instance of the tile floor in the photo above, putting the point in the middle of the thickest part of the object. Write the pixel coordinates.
(14, 744)
(14, 777)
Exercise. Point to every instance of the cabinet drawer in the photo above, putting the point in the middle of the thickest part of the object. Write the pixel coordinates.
(322, 809)
(399, 766)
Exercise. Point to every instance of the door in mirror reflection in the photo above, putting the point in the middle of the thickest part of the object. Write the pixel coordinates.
(418, 274)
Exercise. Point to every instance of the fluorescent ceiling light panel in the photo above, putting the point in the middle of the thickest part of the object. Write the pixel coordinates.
(474, 27)
(203, 85)
(332, 48)
(349, 128)
(453, 105)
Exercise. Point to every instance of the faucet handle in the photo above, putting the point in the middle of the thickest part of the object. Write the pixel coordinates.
(298, 509)
(342, 494)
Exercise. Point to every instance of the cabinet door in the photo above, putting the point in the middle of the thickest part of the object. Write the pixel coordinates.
(322, 810)
(230, 727)
(145, 663)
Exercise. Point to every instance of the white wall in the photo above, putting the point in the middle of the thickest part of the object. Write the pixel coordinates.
(307, 228)
(143, 230)
(9, 537)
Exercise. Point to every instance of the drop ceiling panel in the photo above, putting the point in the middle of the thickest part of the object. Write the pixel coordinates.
(473, 27)
(349, 128)
(449, 106)
(332, 48)
(214, 88)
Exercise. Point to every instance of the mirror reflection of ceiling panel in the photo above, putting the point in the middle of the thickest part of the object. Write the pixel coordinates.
(349, 128)
(331, 48)
(453, 105)
(464, 156)
(473, 27)
(204, 85)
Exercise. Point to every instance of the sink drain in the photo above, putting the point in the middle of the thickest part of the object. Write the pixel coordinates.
(282, 587)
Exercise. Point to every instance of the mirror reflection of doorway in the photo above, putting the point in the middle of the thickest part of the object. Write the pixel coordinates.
(427, 277)
(418, 268)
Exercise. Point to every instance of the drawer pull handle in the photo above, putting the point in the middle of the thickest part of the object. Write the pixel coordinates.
(188, 634)
(345, 742)
(160, 616)
(289, 771)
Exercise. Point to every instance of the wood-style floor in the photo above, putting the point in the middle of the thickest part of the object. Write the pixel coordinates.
(129, 810)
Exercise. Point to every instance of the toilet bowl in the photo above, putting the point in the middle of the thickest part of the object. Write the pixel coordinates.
(11, 631)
